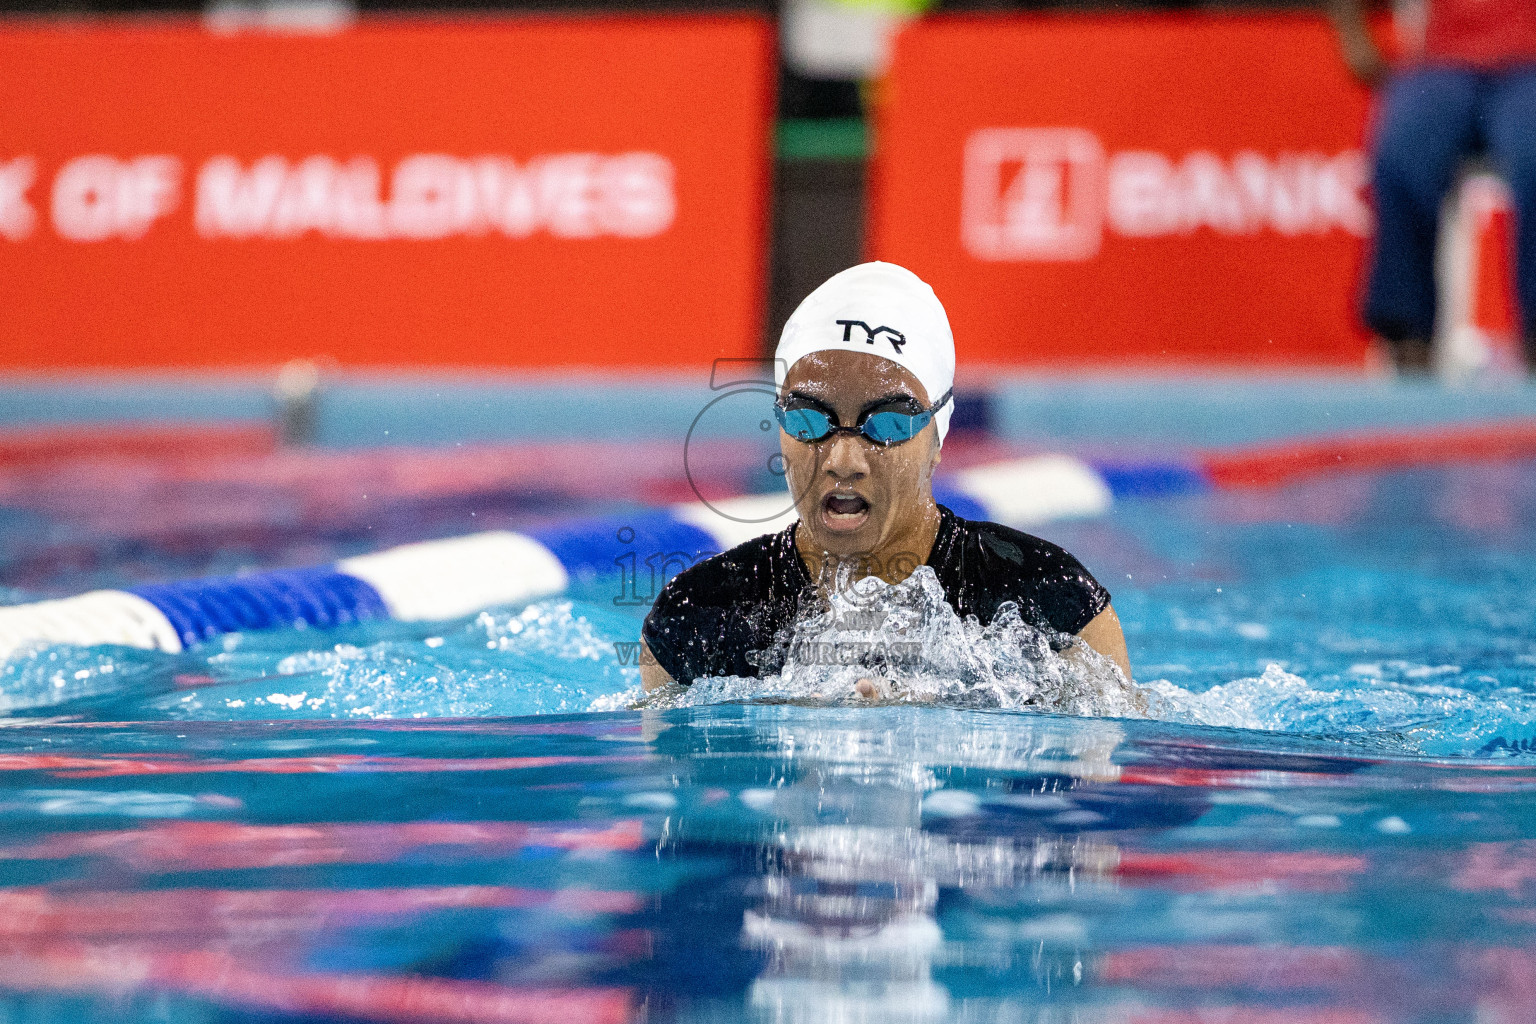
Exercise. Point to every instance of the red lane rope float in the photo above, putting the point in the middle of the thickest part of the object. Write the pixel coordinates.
(47, 445)
(1271, 465)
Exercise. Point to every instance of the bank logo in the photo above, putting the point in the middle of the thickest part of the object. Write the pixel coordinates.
(1053, 194)
(896, 338)
(1033, 194)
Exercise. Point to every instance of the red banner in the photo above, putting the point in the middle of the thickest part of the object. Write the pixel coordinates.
(1147, 189)
(489, 192)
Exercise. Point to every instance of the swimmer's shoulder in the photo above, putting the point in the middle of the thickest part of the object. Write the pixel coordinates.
(1017, 548)
(991, 564)
(712, 615)
(756, 569)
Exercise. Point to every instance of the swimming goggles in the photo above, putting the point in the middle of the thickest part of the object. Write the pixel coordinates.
(885, 428)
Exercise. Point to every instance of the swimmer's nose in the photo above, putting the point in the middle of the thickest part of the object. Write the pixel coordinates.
(845, 458)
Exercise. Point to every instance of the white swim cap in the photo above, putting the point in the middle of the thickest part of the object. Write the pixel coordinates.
(879, 308)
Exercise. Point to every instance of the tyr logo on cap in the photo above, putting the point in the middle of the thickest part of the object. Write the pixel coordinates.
(871, 333)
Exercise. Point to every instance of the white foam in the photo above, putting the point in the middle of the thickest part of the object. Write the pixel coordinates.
(1412, 716)
(543, 658)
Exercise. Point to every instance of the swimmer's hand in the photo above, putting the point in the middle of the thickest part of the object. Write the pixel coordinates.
(871, 688)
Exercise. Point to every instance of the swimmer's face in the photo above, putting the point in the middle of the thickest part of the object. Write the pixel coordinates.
(854, 496)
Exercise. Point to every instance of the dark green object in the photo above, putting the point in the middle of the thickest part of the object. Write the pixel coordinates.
(823, 138)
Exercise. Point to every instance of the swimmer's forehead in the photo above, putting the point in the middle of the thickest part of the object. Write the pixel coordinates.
(856, 378)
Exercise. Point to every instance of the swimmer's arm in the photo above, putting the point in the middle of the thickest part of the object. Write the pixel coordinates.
(653, 676)
(1104, 635)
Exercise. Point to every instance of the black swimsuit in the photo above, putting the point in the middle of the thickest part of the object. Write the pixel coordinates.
(716, 617)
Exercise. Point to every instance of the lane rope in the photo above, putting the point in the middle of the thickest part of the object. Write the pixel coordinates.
(447, 579)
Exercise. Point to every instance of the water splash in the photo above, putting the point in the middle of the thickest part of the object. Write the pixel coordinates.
(1400, 710)
(547, 658)
(912, 645)
(47, 675)
(917, 650)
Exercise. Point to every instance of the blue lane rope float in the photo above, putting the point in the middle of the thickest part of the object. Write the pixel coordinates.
(447, 579)
(199, 610)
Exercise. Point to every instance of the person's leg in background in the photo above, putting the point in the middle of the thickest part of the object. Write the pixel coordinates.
(1426, 125)
(1510, 127)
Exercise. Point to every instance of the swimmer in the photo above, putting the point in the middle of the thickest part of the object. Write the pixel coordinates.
(865, 366)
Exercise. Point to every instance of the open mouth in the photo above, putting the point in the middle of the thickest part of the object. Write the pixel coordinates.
(841, 511)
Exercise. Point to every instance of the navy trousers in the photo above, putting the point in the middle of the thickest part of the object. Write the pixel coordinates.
(1430, 119)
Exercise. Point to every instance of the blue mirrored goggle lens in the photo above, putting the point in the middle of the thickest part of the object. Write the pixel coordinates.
(806, 424)
(893, 427)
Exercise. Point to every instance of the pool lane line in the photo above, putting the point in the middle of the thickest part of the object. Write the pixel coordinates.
(448, 579)
(1273, 465)
(1276, 464)
(41, 446)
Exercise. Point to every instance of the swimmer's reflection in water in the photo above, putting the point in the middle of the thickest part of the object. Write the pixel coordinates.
(871, 829)
(868, 364)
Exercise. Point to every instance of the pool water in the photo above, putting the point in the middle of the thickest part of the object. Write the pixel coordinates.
(1326, 813)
